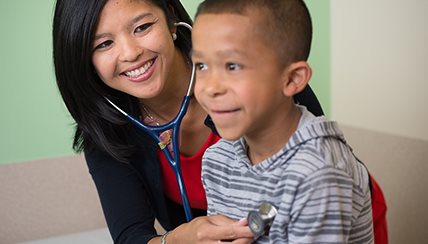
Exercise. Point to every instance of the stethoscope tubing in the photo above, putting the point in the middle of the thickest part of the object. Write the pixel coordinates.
(174, 124)
(174, 161)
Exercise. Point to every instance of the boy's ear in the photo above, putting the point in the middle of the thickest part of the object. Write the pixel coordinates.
(296, 77)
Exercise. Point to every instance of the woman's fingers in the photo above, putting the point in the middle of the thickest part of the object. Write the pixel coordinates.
(241, 222)
(221, 220)
(242, 241)
(229, 232)
(213, 229)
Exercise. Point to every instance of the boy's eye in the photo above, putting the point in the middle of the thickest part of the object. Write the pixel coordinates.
(200, 66)
(143, 27)
(103, 45)
(233, 66)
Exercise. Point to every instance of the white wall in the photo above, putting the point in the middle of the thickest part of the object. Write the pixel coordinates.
(380, 65)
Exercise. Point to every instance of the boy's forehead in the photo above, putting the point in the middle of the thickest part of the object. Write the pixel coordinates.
(223, 25)
(228, 35)
(255, 18)
(247, 25)
(226, 20)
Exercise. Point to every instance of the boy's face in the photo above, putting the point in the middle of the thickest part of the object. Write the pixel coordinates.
(239, 80)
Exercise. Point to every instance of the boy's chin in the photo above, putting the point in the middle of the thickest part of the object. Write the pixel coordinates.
(229, 134)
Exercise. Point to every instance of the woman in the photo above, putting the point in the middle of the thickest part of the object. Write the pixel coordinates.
(132, 53)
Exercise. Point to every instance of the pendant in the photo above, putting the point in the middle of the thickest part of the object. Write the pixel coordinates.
(165, 139)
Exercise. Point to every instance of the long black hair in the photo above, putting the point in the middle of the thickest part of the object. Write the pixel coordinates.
(83, 92)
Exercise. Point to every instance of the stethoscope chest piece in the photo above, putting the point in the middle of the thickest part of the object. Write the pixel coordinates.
(261, 220)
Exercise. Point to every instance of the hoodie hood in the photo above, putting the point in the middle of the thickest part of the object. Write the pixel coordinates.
(310, 128)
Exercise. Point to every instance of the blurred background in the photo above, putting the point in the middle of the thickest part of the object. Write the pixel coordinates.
(370, 66)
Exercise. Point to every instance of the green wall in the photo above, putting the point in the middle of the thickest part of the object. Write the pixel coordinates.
(34, 123)
(319, 58)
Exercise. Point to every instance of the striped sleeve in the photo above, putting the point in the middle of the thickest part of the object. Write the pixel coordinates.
(321, 210)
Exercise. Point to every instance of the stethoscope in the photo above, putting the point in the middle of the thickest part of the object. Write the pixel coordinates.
(155, 130)
(258, 221)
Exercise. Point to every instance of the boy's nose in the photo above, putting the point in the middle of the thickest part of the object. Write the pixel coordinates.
(214, 85)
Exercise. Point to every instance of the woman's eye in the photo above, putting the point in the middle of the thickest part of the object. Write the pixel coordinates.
(103, 45)
(143, 27)
(200, 66)
(233, 66)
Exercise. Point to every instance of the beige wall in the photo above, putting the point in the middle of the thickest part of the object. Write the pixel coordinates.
(399, 164)
(44, 198)
(379, 80)
(380, 65)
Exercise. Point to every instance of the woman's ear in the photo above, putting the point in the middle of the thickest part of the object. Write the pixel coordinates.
(174, 19)
(296, 77)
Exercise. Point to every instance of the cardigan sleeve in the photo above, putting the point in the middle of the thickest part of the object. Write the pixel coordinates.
(124, 199)
(308, 99)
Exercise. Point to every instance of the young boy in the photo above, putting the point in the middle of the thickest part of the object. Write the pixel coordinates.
(251, 59)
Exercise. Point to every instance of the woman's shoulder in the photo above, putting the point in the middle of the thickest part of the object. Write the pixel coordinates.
(97, 159)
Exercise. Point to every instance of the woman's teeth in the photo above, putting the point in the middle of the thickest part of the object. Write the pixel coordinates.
(140, 71)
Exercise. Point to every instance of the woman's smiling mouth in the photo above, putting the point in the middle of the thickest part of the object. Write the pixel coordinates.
(140, 71)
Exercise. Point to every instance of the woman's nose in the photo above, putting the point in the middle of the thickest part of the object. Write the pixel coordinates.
(130, 50)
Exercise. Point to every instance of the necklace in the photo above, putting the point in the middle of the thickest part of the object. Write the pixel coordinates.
(164, 137)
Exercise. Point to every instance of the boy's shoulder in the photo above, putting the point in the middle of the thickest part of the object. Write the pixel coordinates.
(222, 145)
(322, 147)
(222, 148)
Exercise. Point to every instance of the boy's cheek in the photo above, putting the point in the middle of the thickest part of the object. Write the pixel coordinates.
(197, 91)
(200, 98)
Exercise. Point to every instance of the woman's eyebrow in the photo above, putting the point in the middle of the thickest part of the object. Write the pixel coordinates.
(129, 26)
(138, 18)
(100, 36)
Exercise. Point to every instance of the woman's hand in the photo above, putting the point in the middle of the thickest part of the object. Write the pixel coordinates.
(212, 229)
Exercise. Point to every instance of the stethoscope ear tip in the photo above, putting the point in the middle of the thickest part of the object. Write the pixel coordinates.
(183, 24)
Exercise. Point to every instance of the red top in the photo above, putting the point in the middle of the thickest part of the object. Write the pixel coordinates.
(379, 207)
(191, 169)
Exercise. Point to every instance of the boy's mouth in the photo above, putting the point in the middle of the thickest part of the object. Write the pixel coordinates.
(225, 111)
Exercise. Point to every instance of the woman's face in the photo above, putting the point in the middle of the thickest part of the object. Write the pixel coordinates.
(133, 49)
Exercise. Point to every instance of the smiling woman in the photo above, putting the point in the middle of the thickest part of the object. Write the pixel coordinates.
(134, 48)
(132, 53)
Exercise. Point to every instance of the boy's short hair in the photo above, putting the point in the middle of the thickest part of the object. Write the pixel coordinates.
(286, 24)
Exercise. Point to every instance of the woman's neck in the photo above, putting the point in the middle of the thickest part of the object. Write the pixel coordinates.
(163, 108)
(166, 105)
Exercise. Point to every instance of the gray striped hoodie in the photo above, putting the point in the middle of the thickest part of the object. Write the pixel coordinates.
(319, 187)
